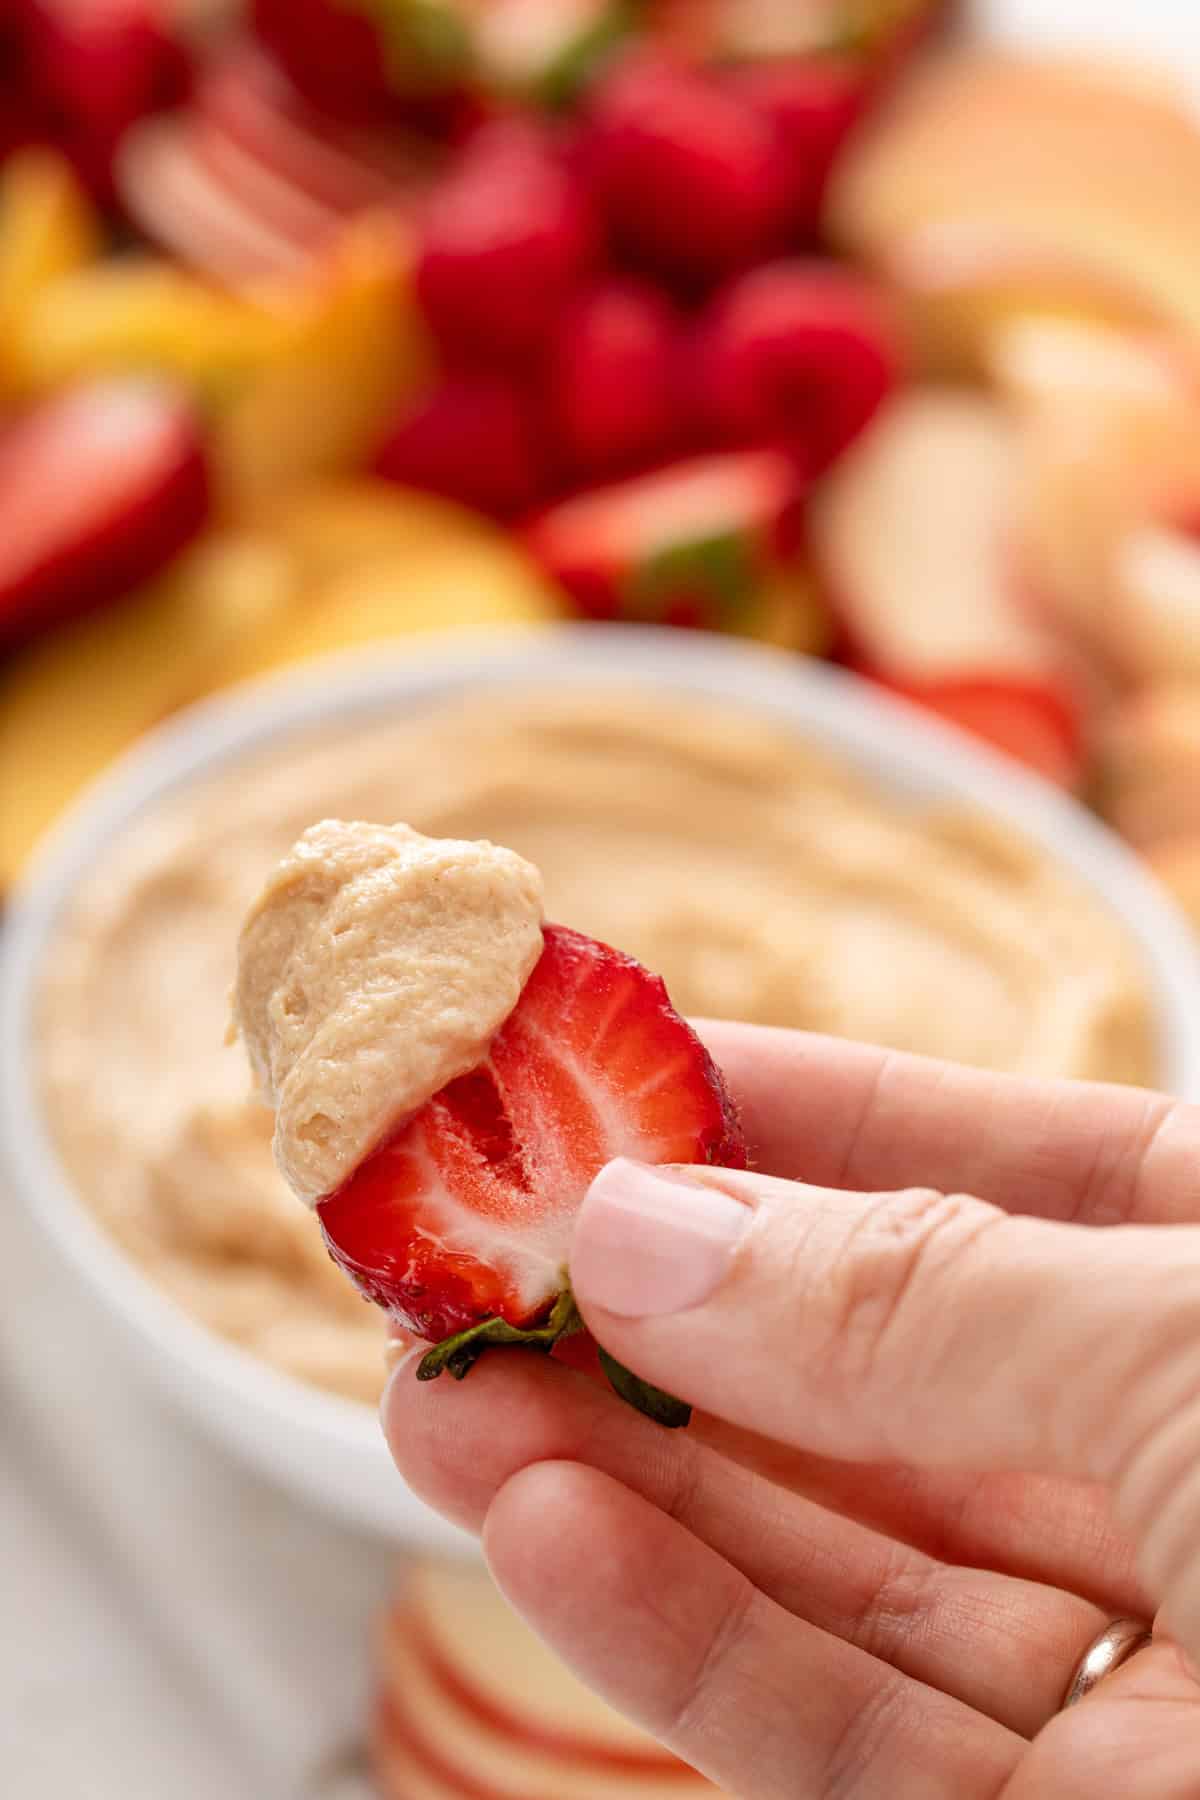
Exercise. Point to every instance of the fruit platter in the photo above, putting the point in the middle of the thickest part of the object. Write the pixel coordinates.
(326, 324)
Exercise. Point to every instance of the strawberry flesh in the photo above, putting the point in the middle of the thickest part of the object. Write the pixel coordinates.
(464, 1214)
(100, 486)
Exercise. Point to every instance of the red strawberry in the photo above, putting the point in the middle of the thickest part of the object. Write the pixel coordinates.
(362, 58)
(795, 353)
(812, 103)
(689, 544)
(688, 175)
(99, 487)
(460, 1225)
(612, 389)
(473, 439)
(1029, 720)
(100, 67)
(507, 237)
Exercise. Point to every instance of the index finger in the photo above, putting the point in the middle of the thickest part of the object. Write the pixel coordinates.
(845, 1115)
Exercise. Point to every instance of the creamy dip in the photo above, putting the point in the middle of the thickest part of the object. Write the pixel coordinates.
(376, 966)
(760, 880)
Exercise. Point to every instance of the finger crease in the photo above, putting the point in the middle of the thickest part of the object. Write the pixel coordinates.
(704, 1694)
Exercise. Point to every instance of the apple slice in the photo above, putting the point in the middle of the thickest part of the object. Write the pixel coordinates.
(98, 489)
(428, 1710)
(414, 1762)
(1150, 780)
(963, 280)
(1109, 515)
(911, 533)
(494, 1666)
(185, 209)
(244, 99)
(72, 702)
(262, 190)
(1071, 188)
(1040, 362)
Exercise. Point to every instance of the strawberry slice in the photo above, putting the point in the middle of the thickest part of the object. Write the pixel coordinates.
(691, 543)
(1027, 719)
(99, 487)
(460, 1224)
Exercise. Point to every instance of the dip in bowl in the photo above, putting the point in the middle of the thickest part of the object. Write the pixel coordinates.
(775, 839)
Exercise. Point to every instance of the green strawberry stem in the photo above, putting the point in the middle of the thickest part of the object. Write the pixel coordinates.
(664, 1409)
(458, 1355)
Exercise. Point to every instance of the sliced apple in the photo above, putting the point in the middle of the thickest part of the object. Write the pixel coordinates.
(70, 704)
(505, 1674)
(912, 534)
(355, 350)
(48, 228)
(265, 192)
(1150, 788)
(185, 209)
(1043, 362)
(427, 1712)
(244, 99)
(1072, 189)
(1110, 508)
(407, 1750)
(963, 280)
(99, 488)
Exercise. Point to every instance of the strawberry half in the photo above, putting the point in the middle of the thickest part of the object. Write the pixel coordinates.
(692, 543)
(460, 1224)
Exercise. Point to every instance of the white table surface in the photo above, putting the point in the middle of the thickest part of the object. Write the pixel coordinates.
(172, 1629)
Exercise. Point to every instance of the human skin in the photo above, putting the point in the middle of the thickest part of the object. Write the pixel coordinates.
(944, 1345)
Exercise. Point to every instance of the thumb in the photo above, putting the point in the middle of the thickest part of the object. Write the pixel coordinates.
(915, 1327)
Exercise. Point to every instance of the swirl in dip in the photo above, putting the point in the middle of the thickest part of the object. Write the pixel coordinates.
(759, 879)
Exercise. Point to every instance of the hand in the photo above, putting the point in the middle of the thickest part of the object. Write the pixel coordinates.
(808, 1594)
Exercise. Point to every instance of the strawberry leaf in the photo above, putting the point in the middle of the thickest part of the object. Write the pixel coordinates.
(664, 1409)
(458, 1355)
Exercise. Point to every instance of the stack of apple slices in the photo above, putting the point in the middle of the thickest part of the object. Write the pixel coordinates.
(915, 537)
(472, 1706)
(247, 181)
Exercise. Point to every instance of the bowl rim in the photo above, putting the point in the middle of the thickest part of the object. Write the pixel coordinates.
(887, 740)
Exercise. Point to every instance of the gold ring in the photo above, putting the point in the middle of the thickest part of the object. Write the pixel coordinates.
(1114, 1646)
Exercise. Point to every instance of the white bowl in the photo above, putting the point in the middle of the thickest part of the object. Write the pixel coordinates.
(326, 1450)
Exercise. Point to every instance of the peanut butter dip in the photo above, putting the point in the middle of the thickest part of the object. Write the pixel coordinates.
(762, 881)
(375, 966)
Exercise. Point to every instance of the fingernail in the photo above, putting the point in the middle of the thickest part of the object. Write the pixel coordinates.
(653, 1240)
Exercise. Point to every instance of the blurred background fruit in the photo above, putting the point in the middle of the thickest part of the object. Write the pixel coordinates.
(469, 1701)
